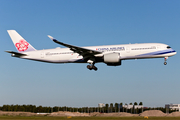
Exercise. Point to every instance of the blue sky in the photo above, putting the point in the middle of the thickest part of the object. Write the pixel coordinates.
(89, 23)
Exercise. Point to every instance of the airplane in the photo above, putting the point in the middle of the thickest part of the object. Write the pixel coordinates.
(112, 55)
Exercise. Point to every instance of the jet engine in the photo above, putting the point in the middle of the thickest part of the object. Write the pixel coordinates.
(112, 59)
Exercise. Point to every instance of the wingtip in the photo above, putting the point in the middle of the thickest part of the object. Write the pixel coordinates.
(50, 37)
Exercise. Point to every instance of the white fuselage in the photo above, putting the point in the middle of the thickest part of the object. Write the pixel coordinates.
(126, 51)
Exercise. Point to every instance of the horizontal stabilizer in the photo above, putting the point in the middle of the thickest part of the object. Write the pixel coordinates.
(16, 54)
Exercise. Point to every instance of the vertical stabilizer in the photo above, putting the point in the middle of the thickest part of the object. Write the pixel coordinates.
(19, 42)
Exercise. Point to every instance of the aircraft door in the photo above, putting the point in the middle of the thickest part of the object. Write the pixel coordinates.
(128, 49)
(42, 54)
(158, 47)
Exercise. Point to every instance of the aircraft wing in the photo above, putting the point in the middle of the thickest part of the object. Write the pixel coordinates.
(16, 53)
(82, 51)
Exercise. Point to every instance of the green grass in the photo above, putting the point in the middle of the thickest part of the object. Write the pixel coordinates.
(84, 118)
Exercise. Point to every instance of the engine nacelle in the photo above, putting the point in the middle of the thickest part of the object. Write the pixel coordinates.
(112, 59)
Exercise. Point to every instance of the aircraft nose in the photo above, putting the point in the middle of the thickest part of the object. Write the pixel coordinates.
(174, 52)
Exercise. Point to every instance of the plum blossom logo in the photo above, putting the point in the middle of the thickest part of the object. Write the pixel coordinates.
(22, 45)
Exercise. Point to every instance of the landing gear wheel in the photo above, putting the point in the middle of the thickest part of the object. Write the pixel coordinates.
(95, 68)
(89, 67)
(165, 59)
(92, 67)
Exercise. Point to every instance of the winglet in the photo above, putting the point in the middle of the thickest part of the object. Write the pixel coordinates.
(51, 37)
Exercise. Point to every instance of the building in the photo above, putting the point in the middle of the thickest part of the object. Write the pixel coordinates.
(138, 106)
(173, 107)
(128, 106)
(131, 106)
(101, 105)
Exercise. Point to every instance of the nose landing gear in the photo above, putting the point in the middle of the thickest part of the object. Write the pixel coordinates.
(165, 59)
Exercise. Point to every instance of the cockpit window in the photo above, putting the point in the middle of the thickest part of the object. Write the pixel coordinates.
(168, 47)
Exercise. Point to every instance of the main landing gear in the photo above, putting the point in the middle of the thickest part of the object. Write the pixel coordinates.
(165, 59)
(90, 67)
(92, 62)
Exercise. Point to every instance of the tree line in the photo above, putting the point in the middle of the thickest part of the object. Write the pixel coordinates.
(108, 108)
